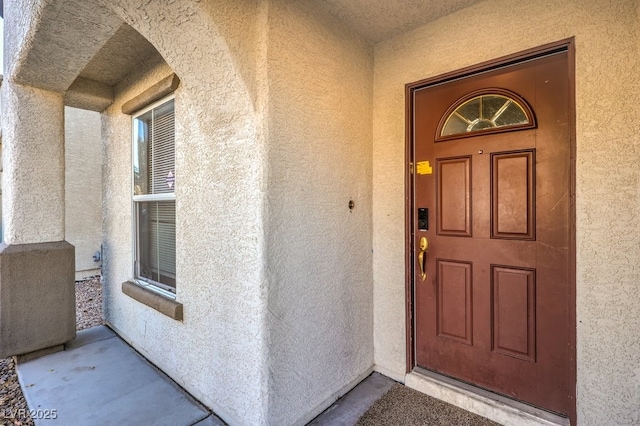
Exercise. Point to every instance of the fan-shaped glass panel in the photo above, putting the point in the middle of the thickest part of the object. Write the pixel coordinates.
(489, 111)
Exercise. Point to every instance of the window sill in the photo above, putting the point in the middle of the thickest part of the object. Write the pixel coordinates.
(162, 304)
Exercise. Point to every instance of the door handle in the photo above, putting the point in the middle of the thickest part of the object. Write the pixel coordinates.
(422, 257)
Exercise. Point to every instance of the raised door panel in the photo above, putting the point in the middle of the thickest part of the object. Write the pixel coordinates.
(513, 195)
(513, 312)
(454, 294)
(454, 196)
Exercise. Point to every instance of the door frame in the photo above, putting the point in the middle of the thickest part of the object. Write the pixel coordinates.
(567, 45)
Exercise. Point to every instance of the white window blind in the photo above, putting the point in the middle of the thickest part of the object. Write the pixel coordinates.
(162, 153)
(154, 195)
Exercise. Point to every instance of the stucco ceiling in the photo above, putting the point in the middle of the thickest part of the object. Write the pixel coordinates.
(378, 20)
(124, 51)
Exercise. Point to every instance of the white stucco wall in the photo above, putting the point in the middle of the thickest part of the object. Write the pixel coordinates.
(285, 303)
(608, 207)
(320, 317)
(83, 187)
(33, 176)
(310, 99)
(218, 351)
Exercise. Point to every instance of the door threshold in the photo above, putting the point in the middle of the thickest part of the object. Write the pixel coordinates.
(487, 404)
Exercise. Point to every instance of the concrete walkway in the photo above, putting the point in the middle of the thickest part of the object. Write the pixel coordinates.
(100, 380)
(347, 410)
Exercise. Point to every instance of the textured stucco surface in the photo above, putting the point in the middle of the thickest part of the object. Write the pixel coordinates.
(276, 112)
(218, 351)
(118, 57)
(318, 251)
(83, 187)
(608, 301)
(33, 165)
(379, 20)
(33, 143)
(51, 29)
(89, 94)
(32, 319)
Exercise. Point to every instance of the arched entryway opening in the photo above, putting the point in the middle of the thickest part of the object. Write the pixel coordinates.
(103, 56)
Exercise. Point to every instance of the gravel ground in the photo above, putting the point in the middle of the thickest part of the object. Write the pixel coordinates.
(13, 407)
(88, 303)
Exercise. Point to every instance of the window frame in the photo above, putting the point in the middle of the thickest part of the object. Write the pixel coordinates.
(136, 200)
(519, 100)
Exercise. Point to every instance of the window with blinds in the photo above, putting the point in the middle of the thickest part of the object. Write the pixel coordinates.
(154, 181)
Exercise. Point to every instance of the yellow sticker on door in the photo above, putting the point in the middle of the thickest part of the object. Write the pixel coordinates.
(424, 168)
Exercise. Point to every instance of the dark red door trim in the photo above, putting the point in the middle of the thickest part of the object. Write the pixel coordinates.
(562, 45)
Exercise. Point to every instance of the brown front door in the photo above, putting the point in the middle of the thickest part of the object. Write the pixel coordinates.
(493, 304)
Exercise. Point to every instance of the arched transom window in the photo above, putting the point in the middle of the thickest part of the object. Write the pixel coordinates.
(491, 111)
